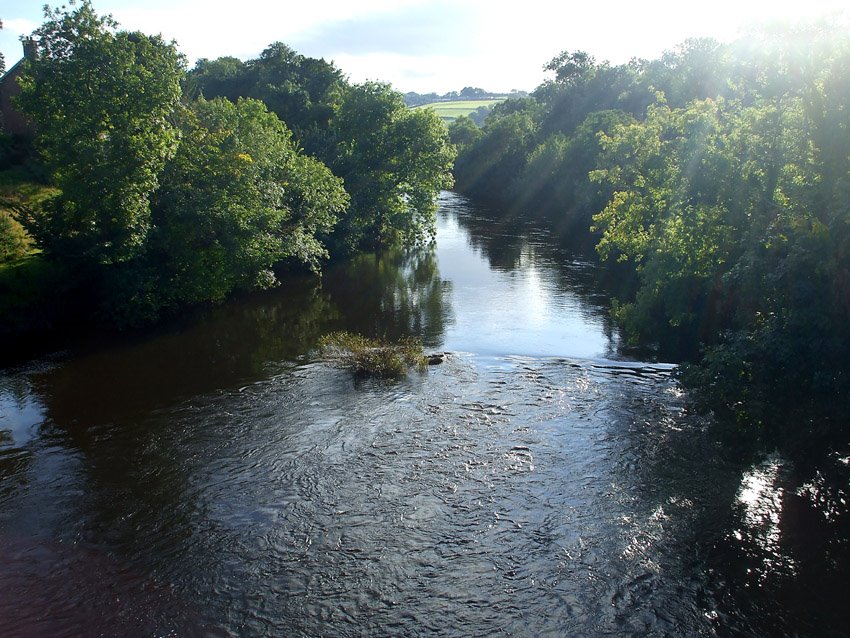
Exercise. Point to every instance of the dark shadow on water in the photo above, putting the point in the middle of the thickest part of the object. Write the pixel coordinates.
(394, 294)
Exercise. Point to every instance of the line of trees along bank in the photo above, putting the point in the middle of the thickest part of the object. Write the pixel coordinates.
(180, 188)
(721, 174)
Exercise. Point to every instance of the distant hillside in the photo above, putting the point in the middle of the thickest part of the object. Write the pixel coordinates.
(466, 94)
(449, 111)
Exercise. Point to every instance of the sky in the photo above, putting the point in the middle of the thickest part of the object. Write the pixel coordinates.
(433, 45)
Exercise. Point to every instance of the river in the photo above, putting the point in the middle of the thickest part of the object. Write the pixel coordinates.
(216, 478)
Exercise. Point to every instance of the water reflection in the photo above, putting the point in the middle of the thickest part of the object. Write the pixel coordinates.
(760, 499)
(20, 411)
(390, 295)
(514, 294)
(393, 294)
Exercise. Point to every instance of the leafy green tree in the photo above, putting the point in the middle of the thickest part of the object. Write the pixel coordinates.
(393, 160)
(488, 169)
(572, 68)
(226, 77)
(472, 93)
(683, 181)
(736, 218)
(697, 69)
(304, 92)
(720, 175)
(556, 180)
(237, 200)
(101, 100)
(14, 242)
(463, 133)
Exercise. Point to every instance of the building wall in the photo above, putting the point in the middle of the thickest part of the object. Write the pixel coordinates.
(13, 121)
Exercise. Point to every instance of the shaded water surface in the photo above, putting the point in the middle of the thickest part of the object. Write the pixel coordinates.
(218, 479)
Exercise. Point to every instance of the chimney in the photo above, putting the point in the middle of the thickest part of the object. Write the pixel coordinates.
(30, 49)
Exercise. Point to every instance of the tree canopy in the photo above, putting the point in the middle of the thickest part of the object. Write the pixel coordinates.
(393, 160)
(720, 174)
(178, 188)
(236, 200)
(102, 101)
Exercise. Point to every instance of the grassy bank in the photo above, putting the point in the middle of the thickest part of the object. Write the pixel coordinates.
(18, 189)
(37, 297)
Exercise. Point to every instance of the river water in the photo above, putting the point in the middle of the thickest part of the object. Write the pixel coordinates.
(217, 478)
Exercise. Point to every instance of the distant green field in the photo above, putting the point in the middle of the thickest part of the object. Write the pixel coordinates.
(449, 111)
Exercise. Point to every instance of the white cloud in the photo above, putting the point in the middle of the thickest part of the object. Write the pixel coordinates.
(476, 42)
(19, 26)
(243, 29)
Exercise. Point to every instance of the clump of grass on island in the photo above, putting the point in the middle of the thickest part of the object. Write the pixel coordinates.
(18, 189)
(373, 357)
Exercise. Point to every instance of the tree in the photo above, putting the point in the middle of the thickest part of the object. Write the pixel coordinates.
(556, 180)
(571, 68)
(463, 132)
(237, 200)
(394, 160)
(489, 167)
(14, 242)
(472, 93)
(225, 77)
(102, 102)
(304, 92)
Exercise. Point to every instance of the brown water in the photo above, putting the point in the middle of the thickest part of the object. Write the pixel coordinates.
(218, 479)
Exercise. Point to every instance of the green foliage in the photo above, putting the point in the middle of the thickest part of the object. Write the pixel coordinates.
(236, 200)
(555, 180)
(463, 133)
(721, 175)
(225, 77)
(101, 100)
(17, 192)
(394, 161)
(373, 357)
(572, 68)
(677, 179)
(304, 92)
(164, 199)
(736, 217)
(488, 168)
(535, 153)
(14, 241)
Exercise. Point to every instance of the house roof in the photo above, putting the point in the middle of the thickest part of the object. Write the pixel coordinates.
(11, 70)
